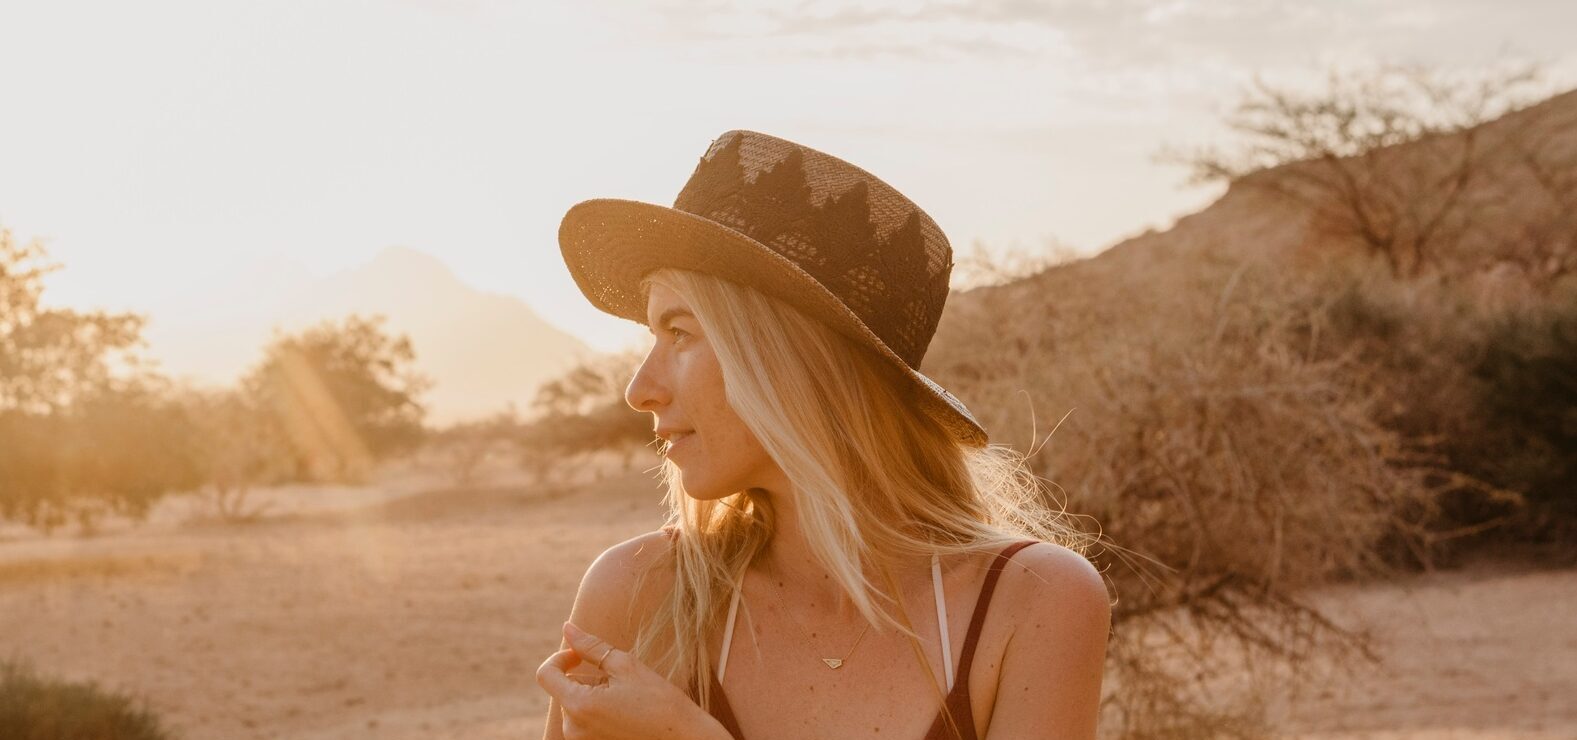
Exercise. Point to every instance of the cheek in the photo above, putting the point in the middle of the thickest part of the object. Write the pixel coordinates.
(732, 442)
(723, 432)
(714, 416)
(699, 381)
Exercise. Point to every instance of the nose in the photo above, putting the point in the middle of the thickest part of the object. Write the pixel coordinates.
(648, 390)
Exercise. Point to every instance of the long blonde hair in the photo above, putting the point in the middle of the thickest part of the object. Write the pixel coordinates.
(874, 478)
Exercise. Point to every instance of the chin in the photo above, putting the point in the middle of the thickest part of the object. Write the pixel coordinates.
(702, 488)
(705, 493)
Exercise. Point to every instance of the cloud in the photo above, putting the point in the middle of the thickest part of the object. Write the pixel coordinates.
(924, 31)
(1107, 35)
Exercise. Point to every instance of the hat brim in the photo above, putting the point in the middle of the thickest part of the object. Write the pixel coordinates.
(609, 244)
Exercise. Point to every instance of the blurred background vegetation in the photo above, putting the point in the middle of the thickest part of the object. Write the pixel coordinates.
(37, 708)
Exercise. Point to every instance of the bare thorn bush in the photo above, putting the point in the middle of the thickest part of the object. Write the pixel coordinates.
(1231, 462)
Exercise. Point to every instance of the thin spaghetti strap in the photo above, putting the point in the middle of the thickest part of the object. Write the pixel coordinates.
(941, 619)
(728, 633)
(982, 603)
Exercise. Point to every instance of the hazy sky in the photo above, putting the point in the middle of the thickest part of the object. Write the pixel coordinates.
(161, 146)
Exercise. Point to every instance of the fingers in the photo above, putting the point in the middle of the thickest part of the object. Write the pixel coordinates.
(588, 678)
(552, 678)
(594, 650)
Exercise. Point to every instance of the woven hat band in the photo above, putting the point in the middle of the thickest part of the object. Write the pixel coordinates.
(863, 241)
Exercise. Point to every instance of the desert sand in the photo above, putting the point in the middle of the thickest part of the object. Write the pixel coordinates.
(407, 609)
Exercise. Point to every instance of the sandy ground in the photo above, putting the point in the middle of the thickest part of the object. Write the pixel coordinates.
(414, 612)
(1489, 651)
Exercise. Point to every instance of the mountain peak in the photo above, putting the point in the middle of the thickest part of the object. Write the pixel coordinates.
(401, 259)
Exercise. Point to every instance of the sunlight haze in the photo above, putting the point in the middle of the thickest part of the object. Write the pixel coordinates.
(180, 157)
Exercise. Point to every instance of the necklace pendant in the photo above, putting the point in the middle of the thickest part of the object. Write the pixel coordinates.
(833, 663)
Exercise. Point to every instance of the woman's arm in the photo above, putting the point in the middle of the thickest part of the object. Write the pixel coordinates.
(604, 605)
(1050, 683)
(636, 701)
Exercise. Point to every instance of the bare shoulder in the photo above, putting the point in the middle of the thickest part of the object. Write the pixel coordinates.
(1050, 581)
(621, 563)
(624, 582)
(1057, 621)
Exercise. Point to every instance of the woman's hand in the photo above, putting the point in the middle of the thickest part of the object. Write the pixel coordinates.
(633, 701)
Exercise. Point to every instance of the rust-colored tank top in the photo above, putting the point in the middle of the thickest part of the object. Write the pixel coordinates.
(957, 697)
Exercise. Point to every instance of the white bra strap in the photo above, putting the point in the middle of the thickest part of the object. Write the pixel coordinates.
(941, 619)
(728, 633)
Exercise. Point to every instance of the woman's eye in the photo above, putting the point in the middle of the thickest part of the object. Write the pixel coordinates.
(678, 333)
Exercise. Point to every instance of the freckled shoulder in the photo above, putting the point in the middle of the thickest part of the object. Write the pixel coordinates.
(614, 594)
(1056, 616)
(1049, 579)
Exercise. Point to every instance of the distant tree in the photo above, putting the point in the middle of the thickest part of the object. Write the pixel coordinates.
(596, 382)
(1337, 151)
(342, 393)
(584, 411)
(541, 448)
(50, 356)
(118, 450)
(237, 446)
(614, 426)
(465, 446)
(128, 447)
(85, 428)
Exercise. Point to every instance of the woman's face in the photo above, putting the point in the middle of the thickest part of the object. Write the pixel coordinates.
(681, 383)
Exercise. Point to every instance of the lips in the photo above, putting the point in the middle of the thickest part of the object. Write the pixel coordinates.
(676, 439)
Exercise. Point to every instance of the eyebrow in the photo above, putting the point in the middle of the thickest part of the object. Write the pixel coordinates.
(668, 315)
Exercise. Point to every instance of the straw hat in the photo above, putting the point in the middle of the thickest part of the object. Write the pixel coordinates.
(808, 228)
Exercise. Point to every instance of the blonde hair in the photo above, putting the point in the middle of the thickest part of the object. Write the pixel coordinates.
(874, 478)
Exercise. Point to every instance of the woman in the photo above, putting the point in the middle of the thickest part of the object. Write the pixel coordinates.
(845, 555)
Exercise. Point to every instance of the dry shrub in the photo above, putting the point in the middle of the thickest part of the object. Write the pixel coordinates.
(1230, 459)
(34, 707)
(1488, 372)
(1527, 435)
(465, 447)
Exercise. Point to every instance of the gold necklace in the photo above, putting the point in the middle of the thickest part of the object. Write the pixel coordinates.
(833, 663)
